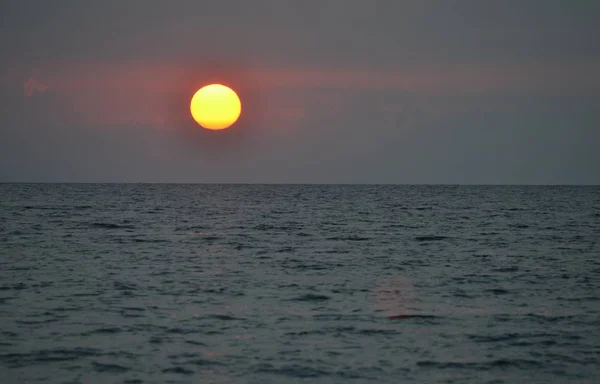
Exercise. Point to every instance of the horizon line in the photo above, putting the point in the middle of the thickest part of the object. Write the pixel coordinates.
(304, 183)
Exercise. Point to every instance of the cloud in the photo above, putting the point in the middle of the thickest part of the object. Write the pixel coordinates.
(156, 94)
(34, 84)
(167, 76)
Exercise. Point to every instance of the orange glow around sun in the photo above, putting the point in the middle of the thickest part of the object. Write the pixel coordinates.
(215, 107)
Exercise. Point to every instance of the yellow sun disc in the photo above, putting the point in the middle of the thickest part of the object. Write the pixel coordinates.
(215, 107)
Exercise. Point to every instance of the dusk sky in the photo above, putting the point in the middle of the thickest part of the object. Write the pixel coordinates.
(332, 91)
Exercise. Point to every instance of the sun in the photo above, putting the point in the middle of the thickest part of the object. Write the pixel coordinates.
(215, 107)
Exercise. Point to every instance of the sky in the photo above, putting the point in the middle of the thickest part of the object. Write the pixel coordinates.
(332, 91)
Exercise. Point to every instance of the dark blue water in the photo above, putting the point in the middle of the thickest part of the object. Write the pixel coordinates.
(285, 284)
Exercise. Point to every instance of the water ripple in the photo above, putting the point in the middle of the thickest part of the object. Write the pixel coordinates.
(325, 284)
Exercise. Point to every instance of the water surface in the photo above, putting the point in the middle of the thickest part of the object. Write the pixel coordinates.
(285, 284)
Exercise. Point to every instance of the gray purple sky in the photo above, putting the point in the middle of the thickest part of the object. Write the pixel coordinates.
(333, 91)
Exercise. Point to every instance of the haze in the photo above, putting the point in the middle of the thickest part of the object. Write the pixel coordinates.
(348, 91)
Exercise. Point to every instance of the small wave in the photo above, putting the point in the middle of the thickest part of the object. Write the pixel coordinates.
(195, 342)
(370, 332)
(202, 236)
(104, 330)
(337, 317)
(335, 252)
(111, 226)
(23, 268)
(16, 287)
(411, 316)
(43, 356)
(37, 322)
(137, 309)
(180, 331)
(500, 363)
(41, 207)
(311, 297)
(216, 290)
(519, 226)
(156, 340)
(154, 241)
(130, 315)
(430, 238)
(498, 291)
(85, 294)
(160, 273)
(312, 267)
(264, 227)
(496, 338)
(179, 370)
(579, 299)
(115, 368)
(311, 332)
(223, 317)
(296, 371)
(349, 238)
(285, 250)
(549, 318)
(190, 228)
(506, 269)
(394, 226)
(123, 286)
(543, 343)
(182, 355)
(203, 362)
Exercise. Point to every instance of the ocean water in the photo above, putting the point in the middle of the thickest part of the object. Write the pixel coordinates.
(140, 283)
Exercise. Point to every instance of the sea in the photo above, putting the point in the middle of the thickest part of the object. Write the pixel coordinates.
(176, 283)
